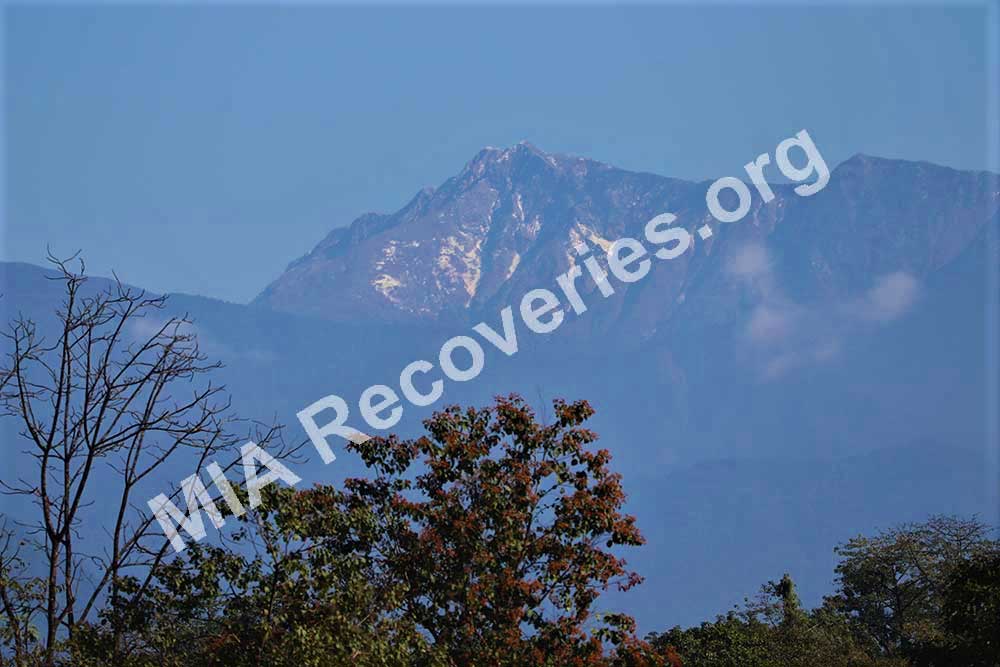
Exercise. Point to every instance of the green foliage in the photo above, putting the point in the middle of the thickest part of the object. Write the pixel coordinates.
(22, 598)
(274, 597)
(729, 641)
(771, 631)
(972, 613)
(486, 542)
(893, 586)
(922, 595)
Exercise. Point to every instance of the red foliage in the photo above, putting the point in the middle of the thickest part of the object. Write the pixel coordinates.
(503, 531)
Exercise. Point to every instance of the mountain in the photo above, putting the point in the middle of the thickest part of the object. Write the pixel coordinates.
(508, 221)
(816, 370)
(799, 293)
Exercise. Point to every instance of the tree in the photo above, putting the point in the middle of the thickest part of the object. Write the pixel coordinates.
(103, 406)
(487, 542)
(291, 587)
(731, 640)
(893, 586)
(772, 630)
(507, 525)
(972, 612)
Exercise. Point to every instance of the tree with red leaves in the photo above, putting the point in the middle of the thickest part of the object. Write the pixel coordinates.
(504, 534)
(486, 542)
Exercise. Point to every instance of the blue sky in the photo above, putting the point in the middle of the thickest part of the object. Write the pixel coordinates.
(202, 149)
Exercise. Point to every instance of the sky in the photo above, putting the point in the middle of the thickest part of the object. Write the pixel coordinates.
(201, 149)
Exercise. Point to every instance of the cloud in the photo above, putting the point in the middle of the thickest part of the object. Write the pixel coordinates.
(143, 328)
(750, 261)
(774, 318)
(892, 296)
(784, 335)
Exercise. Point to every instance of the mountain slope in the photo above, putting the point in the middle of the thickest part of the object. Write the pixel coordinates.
(508, 218)
(508, 221)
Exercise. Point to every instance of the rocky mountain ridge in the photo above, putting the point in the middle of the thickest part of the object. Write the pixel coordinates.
(507, 223)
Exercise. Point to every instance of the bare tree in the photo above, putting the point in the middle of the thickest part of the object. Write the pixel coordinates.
(104, 405)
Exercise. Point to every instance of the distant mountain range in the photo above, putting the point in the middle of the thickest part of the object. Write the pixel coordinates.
(813, 371)
(507, 223)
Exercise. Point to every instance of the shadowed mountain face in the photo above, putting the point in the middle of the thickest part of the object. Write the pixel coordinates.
(507, 223)
(813, 371)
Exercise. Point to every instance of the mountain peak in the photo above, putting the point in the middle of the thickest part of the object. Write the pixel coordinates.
(510, 220)
(511, 216)
(525, 145)
(518, 153)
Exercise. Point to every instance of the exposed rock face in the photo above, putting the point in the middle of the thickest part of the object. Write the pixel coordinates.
(509, 220)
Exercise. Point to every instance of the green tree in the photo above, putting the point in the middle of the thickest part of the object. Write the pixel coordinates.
(730, 641)
(892, 586)
(486, 542)
(972, 612)
(117, 394)
(297, 583)
(772, 630)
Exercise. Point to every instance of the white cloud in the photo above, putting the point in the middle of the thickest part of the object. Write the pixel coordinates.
(785, 335)
(143, 328)
(892, 296)
(750, 261)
